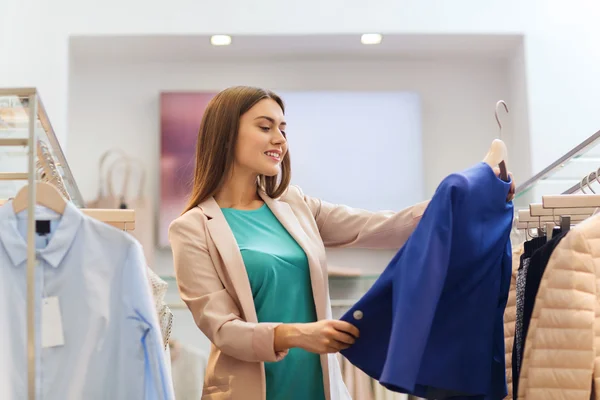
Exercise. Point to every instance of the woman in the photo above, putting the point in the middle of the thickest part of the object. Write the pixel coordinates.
(249, 255)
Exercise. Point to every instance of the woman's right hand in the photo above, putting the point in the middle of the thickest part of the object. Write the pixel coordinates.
(326, 336)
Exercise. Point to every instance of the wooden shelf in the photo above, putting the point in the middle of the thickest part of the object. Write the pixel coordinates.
(14, 142)
(13, 176)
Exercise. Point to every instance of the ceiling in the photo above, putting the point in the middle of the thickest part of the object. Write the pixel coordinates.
(171, 48)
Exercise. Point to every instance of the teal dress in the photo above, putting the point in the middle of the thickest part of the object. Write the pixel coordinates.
(280, 280)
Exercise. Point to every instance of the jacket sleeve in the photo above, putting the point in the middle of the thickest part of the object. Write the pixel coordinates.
(343, 226)
(214, 310)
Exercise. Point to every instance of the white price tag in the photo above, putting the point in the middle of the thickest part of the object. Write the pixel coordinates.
(52, 329)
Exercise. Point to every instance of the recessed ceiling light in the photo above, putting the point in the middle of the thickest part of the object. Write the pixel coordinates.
(371, 38)
(220, 40)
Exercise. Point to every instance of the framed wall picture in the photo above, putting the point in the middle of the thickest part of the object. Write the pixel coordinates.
(180, 117)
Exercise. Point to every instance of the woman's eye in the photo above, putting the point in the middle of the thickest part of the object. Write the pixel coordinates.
(284, 134)
(265, 128)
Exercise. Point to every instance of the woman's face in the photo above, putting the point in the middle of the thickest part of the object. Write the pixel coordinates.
(261, 143)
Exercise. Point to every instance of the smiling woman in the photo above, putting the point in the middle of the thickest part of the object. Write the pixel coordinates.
(227, 145)
(249, 255)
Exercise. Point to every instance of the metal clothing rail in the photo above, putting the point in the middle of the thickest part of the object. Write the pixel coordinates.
(576, 151)
(585, 181)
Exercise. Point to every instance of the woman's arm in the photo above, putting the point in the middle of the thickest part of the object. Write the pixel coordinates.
(342, 226)
(214, 311)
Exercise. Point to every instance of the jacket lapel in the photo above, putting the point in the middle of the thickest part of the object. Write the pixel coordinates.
(229, 251)
(288, 219)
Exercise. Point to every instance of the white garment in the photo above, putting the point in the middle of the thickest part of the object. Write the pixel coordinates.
(165, 316)
(188, 371)
(96, 275)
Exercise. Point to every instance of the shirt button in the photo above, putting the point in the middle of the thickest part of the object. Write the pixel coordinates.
(357, 314)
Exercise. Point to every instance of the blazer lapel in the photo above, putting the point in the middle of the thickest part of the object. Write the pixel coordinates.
(226, 244)
(286, 216)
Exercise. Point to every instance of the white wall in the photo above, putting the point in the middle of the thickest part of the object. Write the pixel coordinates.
(118, 104)
(561, 43)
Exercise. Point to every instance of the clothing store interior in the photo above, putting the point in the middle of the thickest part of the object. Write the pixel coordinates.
(440, 216)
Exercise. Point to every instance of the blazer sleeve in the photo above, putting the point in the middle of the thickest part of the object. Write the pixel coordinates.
(343, 226)
(214, 310)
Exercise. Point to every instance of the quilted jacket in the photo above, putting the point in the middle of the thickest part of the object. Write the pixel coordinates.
(562, 348)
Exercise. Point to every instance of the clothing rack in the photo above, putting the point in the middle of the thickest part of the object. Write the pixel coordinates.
(585, 181)
(30, 102)
(562, 209)
(561, 274)
(574, 153)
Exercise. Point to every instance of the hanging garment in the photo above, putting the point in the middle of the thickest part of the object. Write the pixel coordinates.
(510, 316)
(530, 248)
(562, 352)
(97, 334)
(165, 315)
(537, 265)
(188, 367)
(457, 263)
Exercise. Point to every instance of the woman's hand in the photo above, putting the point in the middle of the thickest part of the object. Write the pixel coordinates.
(326, 336)
(511, 192)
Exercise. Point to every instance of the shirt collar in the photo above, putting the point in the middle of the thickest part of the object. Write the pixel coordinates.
(16, 246)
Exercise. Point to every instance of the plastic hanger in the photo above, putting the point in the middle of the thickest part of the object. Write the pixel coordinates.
(46, 195)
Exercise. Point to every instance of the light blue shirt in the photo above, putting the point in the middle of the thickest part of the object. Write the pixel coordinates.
(112, 342)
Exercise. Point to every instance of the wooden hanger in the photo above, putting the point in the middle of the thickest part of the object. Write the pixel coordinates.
(46, 195)
(120, 219)
(496, 156)
(571, 201)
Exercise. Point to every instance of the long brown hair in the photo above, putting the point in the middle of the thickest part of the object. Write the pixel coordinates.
(215, 148)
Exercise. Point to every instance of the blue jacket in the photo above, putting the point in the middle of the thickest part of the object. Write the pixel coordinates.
(432, 324)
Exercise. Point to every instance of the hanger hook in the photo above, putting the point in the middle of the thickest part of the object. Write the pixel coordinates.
(587, 180)
(581, 186)
(497, 117)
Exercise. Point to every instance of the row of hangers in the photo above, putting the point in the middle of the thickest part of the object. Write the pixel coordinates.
(562, 210)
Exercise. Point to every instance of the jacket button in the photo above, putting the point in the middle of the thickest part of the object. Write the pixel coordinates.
(357, 314)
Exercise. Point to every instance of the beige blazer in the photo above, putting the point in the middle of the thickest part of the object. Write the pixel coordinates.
(214, 284)
(562, 349)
